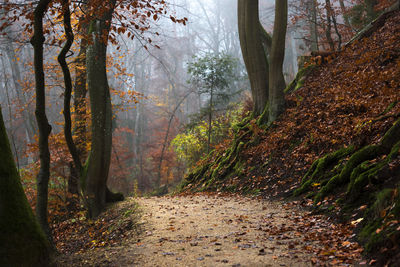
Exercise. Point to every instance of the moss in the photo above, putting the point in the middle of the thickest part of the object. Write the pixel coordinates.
(389, 108)
(366, 153)
(363, 174)
(386, 205)
(391, 137)
(320, 167)
(383, 199)
(298, 81)
(263, 118)
(329, 187)
(304, 188)
(369, 236)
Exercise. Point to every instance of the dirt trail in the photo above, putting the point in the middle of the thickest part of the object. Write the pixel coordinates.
(216, 231)
(204, 230)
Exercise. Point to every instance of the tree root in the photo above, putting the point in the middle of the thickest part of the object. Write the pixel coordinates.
(319, 168)
(356, 172)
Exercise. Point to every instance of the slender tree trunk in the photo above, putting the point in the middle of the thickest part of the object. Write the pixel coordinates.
(331, 13)
(328, 31)
(68, 85)
(22, 242)
(276, 87)
(313, 25)
(166, 143)
(43, 124)
(100, 103)
(210, 120)
(76, 167)
(370, 8)
(253, 53)
(345, 15)
(80, 92)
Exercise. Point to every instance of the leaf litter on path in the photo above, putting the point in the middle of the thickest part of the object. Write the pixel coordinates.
(212, 230)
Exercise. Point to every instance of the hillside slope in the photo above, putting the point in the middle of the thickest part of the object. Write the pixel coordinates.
(337, 143)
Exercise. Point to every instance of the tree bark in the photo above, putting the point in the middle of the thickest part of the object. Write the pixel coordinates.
(328, 32)
(276, 85)
(22, 242)
(43, 124)
(370, 8)
(253, 53)
(80, 92)
(333, 16)
(100, 102)
(345, 15)
(313, 25)
(76, 167)
(68, 85)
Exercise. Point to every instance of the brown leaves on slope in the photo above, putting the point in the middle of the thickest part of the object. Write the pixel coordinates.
(346, 101)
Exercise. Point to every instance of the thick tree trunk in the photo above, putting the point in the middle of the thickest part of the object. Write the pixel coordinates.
(22, 242)
(253, 52)
(276, 85)
(100, 103)
(43, 124)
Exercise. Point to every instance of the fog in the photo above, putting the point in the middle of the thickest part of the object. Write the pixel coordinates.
(152, 99)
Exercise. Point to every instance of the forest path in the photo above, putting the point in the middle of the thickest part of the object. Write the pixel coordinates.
(213, 230)
(205, 230)
(216, 231)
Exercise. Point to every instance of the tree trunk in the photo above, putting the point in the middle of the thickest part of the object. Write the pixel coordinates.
(210, 121)
(76, 167)
(29, 120)
(100, 102)
(22, 242)
(313, 25)
(328, 31)
(276, 85)
(333, 16)
(345, 15)
(370, 8)
(80, 91)
(43, 124)
(68, 85)
(253, 53)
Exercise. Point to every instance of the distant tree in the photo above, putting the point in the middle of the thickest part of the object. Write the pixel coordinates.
(22, 242)
(212, 74)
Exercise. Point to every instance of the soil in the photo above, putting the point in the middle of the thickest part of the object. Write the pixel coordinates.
(213, 230)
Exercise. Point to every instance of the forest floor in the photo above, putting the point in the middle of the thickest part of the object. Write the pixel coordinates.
(222, 230)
